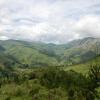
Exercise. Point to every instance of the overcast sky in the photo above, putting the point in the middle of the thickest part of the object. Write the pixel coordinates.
(55, 21)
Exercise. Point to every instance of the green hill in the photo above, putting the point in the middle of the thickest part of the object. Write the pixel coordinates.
(80, 51)
(36, 54)
(26, 54)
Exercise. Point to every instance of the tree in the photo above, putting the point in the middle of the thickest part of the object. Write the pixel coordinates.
(94, 81)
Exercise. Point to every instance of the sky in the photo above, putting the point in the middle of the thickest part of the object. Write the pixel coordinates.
(50, 21)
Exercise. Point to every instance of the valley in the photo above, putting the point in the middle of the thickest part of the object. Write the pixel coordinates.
(40, 71)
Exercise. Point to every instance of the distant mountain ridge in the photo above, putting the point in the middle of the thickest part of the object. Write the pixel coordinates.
(26, 54)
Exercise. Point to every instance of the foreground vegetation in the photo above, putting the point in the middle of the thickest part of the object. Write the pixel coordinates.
(49, 83)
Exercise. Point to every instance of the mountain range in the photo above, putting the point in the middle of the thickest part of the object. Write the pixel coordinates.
(36, 54)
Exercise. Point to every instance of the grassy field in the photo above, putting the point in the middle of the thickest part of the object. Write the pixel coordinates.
(83, 68)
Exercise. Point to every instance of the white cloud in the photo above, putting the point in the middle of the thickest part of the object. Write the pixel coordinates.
(56, 21)
(4, 38)
(88, 26)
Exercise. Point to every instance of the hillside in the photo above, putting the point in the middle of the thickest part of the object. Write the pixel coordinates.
(26, 54)
(27, 70)
(79, 51)
(31, 54)
(84, 67)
